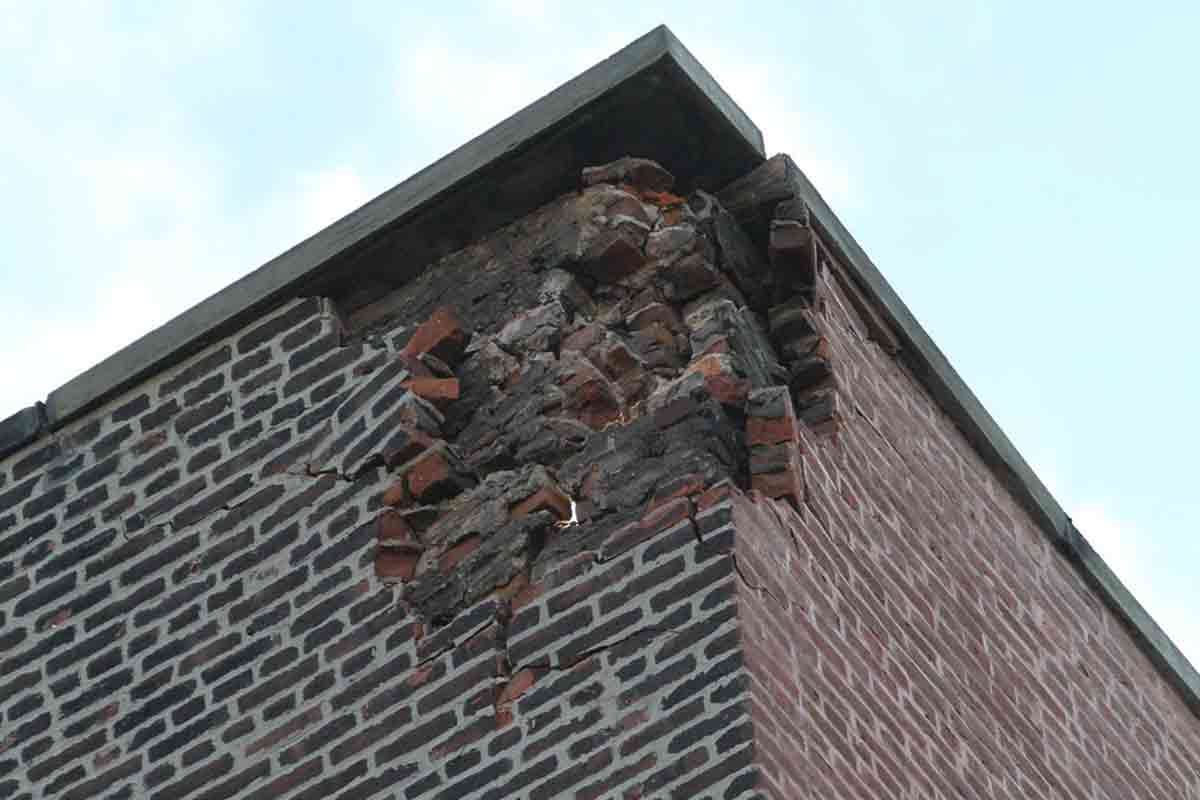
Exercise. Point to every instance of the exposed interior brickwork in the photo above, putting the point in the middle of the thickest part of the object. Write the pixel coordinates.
(629, 499)
(909, 630)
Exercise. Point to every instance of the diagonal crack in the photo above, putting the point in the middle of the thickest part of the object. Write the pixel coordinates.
(750, 584)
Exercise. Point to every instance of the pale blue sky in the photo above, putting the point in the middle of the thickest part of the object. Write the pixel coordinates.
(1023, 173)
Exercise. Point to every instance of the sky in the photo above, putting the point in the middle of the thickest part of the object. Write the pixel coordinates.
(1024, 174)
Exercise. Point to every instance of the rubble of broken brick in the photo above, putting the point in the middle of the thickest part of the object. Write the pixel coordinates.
(656, 351)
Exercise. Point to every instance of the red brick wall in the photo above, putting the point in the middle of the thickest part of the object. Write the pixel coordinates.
(911, 633)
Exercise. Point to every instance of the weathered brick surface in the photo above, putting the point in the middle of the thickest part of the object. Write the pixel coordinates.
(621, 501)
(908, 629)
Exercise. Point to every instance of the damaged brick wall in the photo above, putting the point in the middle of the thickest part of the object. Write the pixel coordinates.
(628, 499)
(909, 630)
(472, 541)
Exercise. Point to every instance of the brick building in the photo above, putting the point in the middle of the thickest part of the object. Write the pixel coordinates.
(556, 473)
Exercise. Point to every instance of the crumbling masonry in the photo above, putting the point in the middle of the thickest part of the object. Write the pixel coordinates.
(632, 497)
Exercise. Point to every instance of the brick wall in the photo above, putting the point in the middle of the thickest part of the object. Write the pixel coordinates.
(464, 544)
(909, 630)
(624, 500)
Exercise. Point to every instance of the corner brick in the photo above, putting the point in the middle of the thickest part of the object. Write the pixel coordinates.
(393, 531)
(442, 334)
(395, 565)
(441, 392)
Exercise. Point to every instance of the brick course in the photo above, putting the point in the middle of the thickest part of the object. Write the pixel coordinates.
(624, 500)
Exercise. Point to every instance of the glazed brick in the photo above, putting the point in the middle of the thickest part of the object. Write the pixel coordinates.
(382, 731)
(130, 408)
(455, 688)
(26, 536)
(76, 555)
(248, 507)
(199, 368)
(477, 781)
(105, 780)
(43, 502)
(159, 460)
(264, 332)
(98, 691)
(521, 651)
(395, 667)
(73, 753)
(48, 593)
(126, 604)
(252, 455)
(609, 629)
(111, 442)
(11, 498)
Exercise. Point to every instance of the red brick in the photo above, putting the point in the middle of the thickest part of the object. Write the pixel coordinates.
(393, 531)
(548, 498)
(392, 564)
(667, 515)
(526, 596)
(779, 484)
(441, 392)
(715, 495)
(723, 383)
(765, 430)
(458, 553)
(396, 495)
(442, 334)
(518, 684)
(430, 476)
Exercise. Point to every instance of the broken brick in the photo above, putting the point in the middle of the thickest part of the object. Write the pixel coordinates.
(432, 476)
(639, 172)
(517, 685)
(396, 494)
(393, 530)
(458, 553)
(547, 498)
(721, 379)
(442, 334)
(406, 444)
(392, 564)
(439, 391)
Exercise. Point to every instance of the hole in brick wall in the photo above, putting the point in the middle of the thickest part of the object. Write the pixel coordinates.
(537, 543)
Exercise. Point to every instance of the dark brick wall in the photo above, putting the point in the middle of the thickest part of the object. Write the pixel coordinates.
(464, 544)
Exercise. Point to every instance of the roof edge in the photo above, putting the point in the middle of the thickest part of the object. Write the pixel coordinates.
(657, 61)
